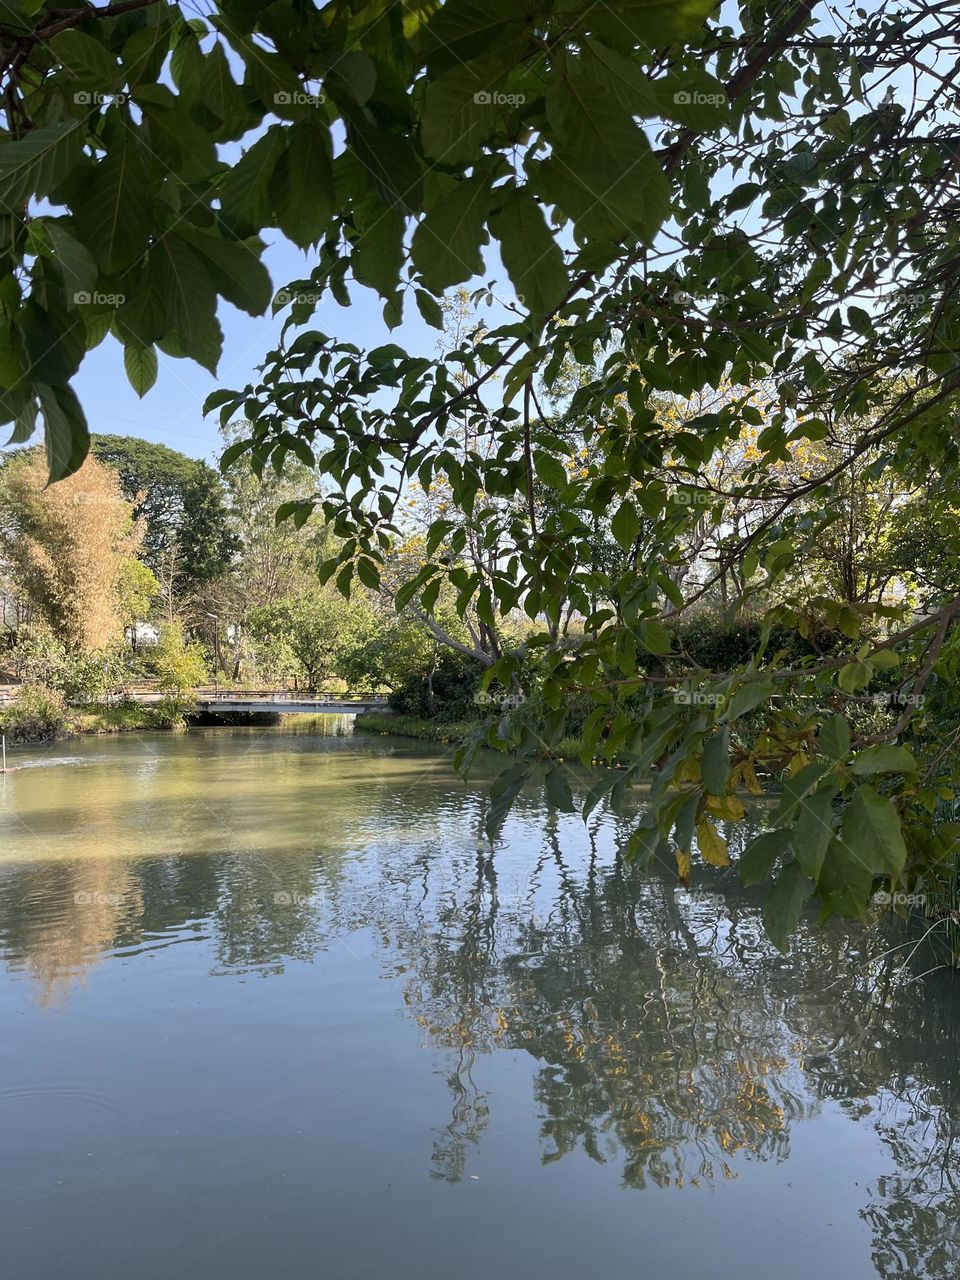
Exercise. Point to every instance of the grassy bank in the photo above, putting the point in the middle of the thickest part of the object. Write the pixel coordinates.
(38, 715)
(122, 717)
(448, 733)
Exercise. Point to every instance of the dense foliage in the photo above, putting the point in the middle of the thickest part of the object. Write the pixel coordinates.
(722, 359)
(187, 538)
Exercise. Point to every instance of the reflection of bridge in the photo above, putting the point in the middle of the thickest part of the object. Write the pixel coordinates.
(274, 701)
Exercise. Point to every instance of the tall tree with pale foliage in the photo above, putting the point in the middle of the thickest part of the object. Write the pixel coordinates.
(68, 547)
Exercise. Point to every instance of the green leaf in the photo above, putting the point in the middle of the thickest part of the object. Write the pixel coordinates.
(798, 787)
(834, 738)
(608, 152)
(378, 253)
(458, 115)
(35, 166)
(757, 859)
(245, 191)
(302, 187)
(221, 94)
(88, 63)
(235, 268)
(237, 450)
(845, 883)
(461, 29)
(883, 759)
(558, 791)
(715, 763)
(784, 904)
(429, 308)
(76, 264)
(191, 302)
(550, 470)
(141, 366)
(747, 698)
(113, 207)
(625, 524)
(446, 245)
(872, 832)
(653, 637)
(854, 676)
(531, 255)
(66, 436)
(655, 23)
(390, 164)
(813, 829)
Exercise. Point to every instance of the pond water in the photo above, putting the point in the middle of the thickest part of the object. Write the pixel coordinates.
(270, 1008)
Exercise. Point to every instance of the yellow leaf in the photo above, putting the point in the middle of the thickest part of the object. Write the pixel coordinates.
(712, 844)
(727, 807)
(750, 779)
(687, 771)
(683, 866)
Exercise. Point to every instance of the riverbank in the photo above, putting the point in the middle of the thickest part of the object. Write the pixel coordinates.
(42, 719)
(450, 733)
(124, 717)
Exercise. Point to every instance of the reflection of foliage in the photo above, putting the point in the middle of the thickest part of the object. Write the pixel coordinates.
(664, 1036)
(914, 1211)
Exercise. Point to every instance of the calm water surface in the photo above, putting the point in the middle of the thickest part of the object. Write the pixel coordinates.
(269, 1008)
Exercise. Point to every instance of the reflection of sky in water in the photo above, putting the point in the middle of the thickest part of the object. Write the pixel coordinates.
(352, 991)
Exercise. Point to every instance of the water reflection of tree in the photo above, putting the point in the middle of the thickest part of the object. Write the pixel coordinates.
(649, 1053)
(667, 1038)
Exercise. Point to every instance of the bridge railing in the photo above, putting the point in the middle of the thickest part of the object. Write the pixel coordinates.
(217, 694)
(142, 691)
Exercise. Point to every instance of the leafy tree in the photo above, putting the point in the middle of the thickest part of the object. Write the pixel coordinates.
(178, 664)
(137, 589)
(39, 659)
(69, 548)
(681, 198)
(316, 629)
(182, 503)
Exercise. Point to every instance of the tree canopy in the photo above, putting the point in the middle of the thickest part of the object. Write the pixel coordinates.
(187, 538)
(751, 210)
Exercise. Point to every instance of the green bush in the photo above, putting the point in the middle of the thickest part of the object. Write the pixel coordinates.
(717, 644)
(36, 715)
(39, 658)
(171, 712)
(446, 693)
(177, 664)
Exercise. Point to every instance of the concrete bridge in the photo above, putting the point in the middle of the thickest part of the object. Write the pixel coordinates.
(269, 701)
(291, 703)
